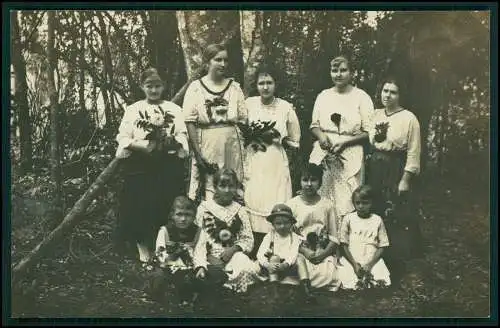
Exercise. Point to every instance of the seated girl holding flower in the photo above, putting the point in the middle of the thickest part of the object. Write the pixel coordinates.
(316, 223)
(225, 239)
(174, 252)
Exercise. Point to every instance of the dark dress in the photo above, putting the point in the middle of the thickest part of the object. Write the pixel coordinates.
(385, 168)
(150, 184)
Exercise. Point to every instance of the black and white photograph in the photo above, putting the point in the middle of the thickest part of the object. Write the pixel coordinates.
(249, 163)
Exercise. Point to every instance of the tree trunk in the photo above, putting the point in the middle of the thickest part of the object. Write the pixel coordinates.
(191, 48)
(81, 59)
(107, 85)
(21, 96)
(251, 25)
(70, 220)
(55, 160)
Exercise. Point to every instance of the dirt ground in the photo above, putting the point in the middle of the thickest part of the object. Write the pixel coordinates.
(85, 276)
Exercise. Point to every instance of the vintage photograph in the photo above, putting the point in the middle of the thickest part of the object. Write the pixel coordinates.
(249, 163)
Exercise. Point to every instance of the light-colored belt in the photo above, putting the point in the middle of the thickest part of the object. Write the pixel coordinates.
(215, 125)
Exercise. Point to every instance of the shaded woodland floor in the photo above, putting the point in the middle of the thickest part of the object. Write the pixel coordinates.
(86, 277)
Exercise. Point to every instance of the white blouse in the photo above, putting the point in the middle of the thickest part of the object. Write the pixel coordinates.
(355, 108)
(281, 112)
(129, 133)
(403, 134)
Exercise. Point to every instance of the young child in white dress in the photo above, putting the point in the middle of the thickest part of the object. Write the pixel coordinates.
(278, 254)
(225, 239)
(317, 224)
(364, 238)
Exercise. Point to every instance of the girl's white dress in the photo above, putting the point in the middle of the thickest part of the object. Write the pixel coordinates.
(286, 248)
(268, 179)
(313, 218)
(242, 271)
(364, 237)
(341, 176)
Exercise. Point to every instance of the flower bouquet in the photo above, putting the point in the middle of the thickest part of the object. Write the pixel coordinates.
(172, 252)
(259, 134)
(367, 281)
(381, 131)
(223, 233)
(156, 126)
(317, 239)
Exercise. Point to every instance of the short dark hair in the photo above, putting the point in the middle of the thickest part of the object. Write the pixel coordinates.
(313, 170)
(183, 202)
(227, 173)
(393, 80)
(150, 73)
(363, 192)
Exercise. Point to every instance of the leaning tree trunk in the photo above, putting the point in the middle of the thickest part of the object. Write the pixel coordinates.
(21, 96)
(251, 25)
(55, 160)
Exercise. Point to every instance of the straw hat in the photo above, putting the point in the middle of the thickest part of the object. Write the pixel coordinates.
(281, 210)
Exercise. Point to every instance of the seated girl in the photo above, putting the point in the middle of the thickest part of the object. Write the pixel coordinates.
(174, 252)
(220, 254)
(364, 238)
(316, 223)
(278, 254)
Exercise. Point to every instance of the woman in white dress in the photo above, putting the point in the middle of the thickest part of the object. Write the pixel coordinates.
(268, 179)
(213, 105)
(340, 121)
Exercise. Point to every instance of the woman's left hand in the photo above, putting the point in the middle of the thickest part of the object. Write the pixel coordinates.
(404, 186)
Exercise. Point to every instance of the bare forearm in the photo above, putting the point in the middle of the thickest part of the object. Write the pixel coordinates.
(376, 256)
(357, 139)
(318, 133)
(193, 137)
(348, 255)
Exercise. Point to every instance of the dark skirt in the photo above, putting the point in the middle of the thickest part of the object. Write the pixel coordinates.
(150, 184)
(384, 172)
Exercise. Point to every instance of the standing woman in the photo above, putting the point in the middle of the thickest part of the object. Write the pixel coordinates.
(152, 140)
(392, 167)
(268, 176)
(339, 121)
(213, 105)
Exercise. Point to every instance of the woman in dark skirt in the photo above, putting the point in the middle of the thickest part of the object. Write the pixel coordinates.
(392, 167)
(152, 140)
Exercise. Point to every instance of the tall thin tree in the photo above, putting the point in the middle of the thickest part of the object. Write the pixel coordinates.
(55, 160)
(21, 95)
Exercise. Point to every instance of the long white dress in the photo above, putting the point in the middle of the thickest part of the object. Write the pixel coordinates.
(268, 179)
(341, 178)
(313, 218)
(364, 237)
